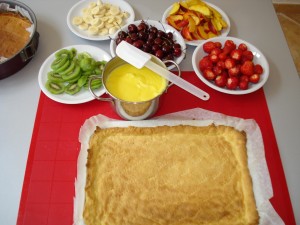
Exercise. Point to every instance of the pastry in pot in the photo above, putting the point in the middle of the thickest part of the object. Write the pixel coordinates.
(13, 33)
(169, 175)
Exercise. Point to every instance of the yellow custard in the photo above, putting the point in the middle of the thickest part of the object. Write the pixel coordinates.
(135, 85)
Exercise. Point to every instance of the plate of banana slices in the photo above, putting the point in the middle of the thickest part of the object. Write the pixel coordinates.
(99, 19)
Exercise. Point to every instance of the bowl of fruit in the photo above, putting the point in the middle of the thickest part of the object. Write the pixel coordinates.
(230, 65)
(153, 37)
(197, 20)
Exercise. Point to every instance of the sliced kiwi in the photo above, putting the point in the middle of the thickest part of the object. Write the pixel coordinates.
(72, 75)
(82, 80)
(63, 67)
(52, 76)
(55, 87)
(69, 69)
(72, 88)
(95, 84)
(59, 62)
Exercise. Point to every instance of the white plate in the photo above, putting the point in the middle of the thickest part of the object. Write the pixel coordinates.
(224, 32)
(82, 96)
(161, 26)
(76, 10)
(258, 58)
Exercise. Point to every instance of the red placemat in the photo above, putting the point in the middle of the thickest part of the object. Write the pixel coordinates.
(48, 189)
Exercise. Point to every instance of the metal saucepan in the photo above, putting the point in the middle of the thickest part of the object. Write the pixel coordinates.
(125, 109)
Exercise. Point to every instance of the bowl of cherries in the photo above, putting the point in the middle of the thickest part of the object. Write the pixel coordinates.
(153, 37)
(230, 65)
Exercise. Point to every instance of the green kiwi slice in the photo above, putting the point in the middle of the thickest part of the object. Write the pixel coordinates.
(82, 80)
(55, 87)
(59, 62)
(63, 67)
(52, 76)
(69, 69)
(72, 75)
(72, 89)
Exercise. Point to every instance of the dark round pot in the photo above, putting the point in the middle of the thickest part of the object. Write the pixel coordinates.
(19, 60)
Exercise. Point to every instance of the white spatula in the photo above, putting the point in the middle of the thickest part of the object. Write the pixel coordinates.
(139, 59)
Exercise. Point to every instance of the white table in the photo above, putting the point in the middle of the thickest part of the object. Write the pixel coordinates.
(255, 21)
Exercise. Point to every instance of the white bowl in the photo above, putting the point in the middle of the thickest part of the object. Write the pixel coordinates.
(161, 26)
(76, 10)
(224, 32)
(258, 58)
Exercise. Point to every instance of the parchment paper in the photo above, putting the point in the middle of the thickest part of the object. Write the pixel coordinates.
(197, 117)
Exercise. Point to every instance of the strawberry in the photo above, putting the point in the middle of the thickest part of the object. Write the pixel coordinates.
(234, 71)
(243, 85)
(222, 56)
(247, 68)
(258, 69)
(254, 78)
(205, 63)
(229, 63)
(230, 44)
(217, 70)
(209, 74)
(215, 51)
(218, 44)
(242, 47)
(220, 81)
(232, 83)
(247, 55)
(208, 46)
(221, 64)
(244, 78)
(236, 54)
(214, 58)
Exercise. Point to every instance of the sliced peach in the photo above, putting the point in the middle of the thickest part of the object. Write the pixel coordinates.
(212, 28)
(212, 35)
(183, 23)
(186, 34)
(172, 22)
(192, 24)
(175, 8)
(202, 32)
(196, 36)
(201, 9)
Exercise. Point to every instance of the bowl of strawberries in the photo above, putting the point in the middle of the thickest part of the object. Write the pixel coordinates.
(230, 65)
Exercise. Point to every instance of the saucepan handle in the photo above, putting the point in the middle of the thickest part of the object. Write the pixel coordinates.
(95, 77)
(177, 67)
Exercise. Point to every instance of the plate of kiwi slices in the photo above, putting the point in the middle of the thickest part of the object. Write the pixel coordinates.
(64, 75)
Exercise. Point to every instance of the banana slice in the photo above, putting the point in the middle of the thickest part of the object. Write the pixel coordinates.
(118, 20)
(112, 30)
(83, 26)
(92, 4)
(103, 31)
(87, 19)
(100, 25)
(111, 19)
(77, 20)
(125, 15)
(108, 25)
(96, 22)
(95, 10)
(86, 11)
(114, 10)
(99, 3)
(93, 30)
(104, 19)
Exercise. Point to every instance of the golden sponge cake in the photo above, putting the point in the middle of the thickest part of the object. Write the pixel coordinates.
(13, 33)
(167, 175)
